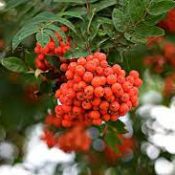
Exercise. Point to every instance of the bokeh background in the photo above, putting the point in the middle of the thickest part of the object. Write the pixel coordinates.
(149, 148)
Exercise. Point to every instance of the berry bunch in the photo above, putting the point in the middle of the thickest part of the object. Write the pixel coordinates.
(51, 49)
(125, 148)
(159, 62)
(76, 139)
(169, 85)
(95, 91)
(169, 22)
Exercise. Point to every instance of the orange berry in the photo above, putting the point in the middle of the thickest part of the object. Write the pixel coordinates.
(66, 108)
(114, 117)
(103, 80)
(99, 70)
(89, 57)
(116, 87)
(89, 90)
(80, 70)
(96, 81)
(87, 77)
(94, 115)
(77, 110)
(86, 105)
(100, 56)
(69, 75)
(108, 71)
(97, 122)
(114, 106)
(99, 91)
(66, 123)
(104, 105)
(58, 93)
(77, 102)
(108, 92)
(125, 97)
(81, 61)
(104, 64)
(80, 96)
(81, 85)
(106, 117)
(77, 78)
(72, 66)
(123, 109)
(111, 79)
(90, 66)
(96, 101)
(116, 68)
(134, 73)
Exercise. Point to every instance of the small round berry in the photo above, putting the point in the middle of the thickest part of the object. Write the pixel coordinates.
(94, 115)
(111, 79)
(99, 91)
(80, 70)
(86, 105)
(63, 67)
(87, 77)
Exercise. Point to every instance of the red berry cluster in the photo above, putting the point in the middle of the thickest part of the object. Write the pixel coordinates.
(49, 138)
(126, 146)
(51, 49)
(95, 91)
(75, 139)
(169, 85)
(169, 22)
(158, 62)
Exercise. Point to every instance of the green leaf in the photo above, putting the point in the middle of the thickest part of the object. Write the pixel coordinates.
(22, 34)
(136, 9)
(119, 126)
(71, 14)
(112, 140)
(161, 6)
(42, 37)
(71, 1)
(155, 19)
(104, 20)
(14, 3)
(74, 1)
(52, 35)
(142, 32)
(119, 20)
(103, 4)
(57, 29)
(66, 23)
(147, 31)
(75, 54)
(14, 64)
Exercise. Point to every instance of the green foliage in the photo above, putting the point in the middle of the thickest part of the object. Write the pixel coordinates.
(38, 24)
(14, 64)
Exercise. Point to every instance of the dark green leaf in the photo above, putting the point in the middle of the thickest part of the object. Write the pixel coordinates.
(161, 6)
(119, 20)
(71, 14)
(42, 37)
(136, 9)
(22, 34)
(112, 140)
(14, 3)
(103, 4)
(75, 54)
(14, 64)
(66, 23)
(119, 126)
